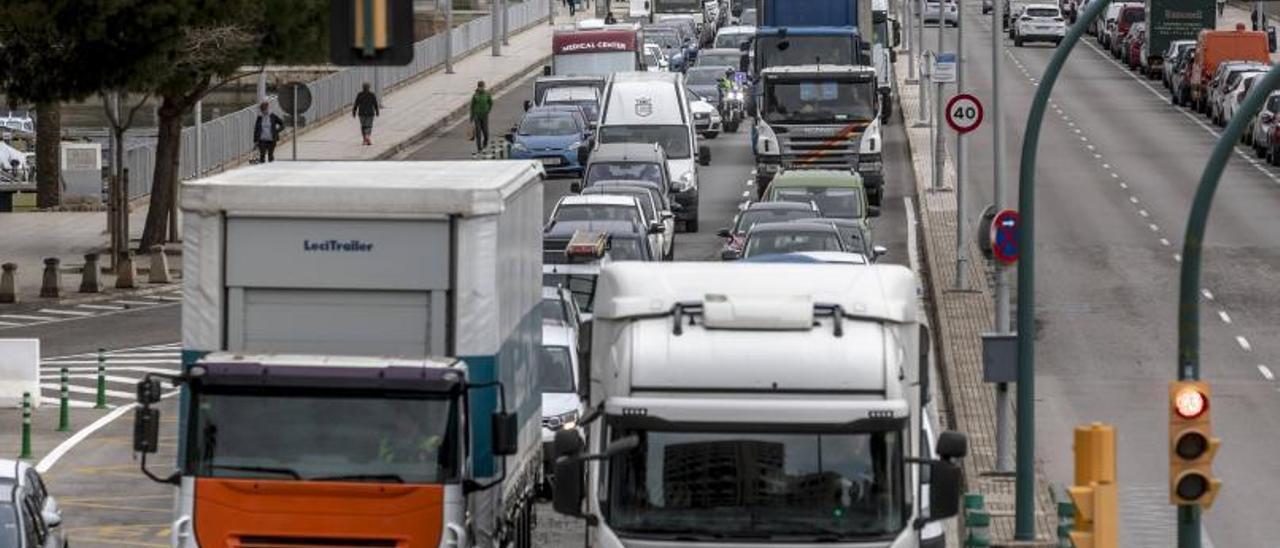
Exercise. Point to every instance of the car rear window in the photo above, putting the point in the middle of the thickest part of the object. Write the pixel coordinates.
(1133, 15)
(1042, 12)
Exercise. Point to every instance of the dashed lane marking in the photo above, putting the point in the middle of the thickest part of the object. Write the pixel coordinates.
(76, 313)
(29, 318)
(1205, 291)
(1266, 372)
(1244, 343)
(1226, 318)
(1165, 242)
(100, 307)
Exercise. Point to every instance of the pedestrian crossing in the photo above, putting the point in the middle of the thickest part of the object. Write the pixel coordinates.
(123, 369)
(29, 317)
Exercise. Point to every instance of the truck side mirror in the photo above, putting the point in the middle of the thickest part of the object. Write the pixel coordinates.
(506, 434)
(984, 231)
(704, 155)
(567, 444)
(944, 490)
(952, 445)
(546, 70)
(146, 429)
(567, 486)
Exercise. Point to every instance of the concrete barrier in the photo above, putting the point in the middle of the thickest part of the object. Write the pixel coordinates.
(126, 272)
(159, 266)
(90, 282)
(8, 283)
(51, 284)
(19, 371)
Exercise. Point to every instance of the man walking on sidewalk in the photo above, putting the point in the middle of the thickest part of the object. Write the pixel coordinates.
(481, 104)
(366, 106)
(266, 131)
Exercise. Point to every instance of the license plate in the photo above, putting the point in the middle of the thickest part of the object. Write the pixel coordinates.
(551, 161)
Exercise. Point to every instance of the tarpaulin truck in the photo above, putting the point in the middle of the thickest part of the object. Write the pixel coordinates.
(736, 404)
(358, 345)
(1169, 20)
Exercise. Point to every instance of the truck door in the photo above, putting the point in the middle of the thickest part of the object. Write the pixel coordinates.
(346, 287)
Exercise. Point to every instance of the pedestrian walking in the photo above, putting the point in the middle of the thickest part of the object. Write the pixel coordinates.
(481, 104)
(609, 19)
(266, 132)
(1222, 5)
(366, 107)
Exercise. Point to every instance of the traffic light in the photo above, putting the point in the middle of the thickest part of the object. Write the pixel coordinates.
(1094, 493)
(1191, 445)
(370, 32)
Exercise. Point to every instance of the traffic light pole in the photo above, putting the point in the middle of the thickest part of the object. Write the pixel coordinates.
(1192, 247)
(1025, 473)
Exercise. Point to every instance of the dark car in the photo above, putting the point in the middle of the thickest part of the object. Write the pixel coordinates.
(626, 241)
(761, 212)
(854, 235)
(791, 237)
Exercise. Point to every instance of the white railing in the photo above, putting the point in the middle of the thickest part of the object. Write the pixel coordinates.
(228, 139)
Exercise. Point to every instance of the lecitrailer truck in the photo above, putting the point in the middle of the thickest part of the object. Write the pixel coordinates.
(1169, 20)
(738, 404)
(358, 347)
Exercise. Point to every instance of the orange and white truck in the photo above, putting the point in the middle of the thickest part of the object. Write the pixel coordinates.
(359, 342)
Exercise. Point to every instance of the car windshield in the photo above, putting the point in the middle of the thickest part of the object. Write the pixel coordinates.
(768, 243)
(553, 124)
(1042, 12)
(677, 6)
(8, 525)
(751, 217)
(668, 39)
(798, 486)
(627, 249)
(325, 434)
(555, 370)
(748, 18)
(640, 195)
(640, 171)
(733, 40)
(842, 203)
(674, 139)
(721, 59)
(553, 311)
(597, 212)
(819, 101)
(699, 76)
(774, 51)
(581, 286)
(589, 106)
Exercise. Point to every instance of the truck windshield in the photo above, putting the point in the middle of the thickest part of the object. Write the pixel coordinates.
(819, 101)
(832, 486)
(677, 6)
(773, 51)
(674, 139)
(324, 434)
(601, 63)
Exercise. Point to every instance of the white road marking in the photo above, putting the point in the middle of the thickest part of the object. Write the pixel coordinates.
(1106, 166)
(112, 362)
(100, 307)
(1177, 257)
(1223, 315)
(52, 458)
(1205, 291)
(1124, 185)
(86, 369)
(1154, 228)
(55, 377)
(1266, 372)
(1165, 242)
(134, 303)
(29, 318)
(1144, 213)
(1133, 199)
(46, 400)
(1115, 175)
(1082, 138)
(76, 313)
(1244, 343)
(10, 324)
(746, 193)
(913, 254)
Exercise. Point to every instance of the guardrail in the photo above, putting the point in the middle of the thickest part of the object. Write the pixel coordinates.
(227, 139)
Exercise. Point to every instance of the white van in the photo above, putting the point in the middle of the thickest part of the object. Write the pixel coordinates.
(653, 107)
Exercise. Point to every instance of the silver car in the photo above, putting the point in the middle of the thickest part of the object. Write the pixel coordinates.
(1171, 55)
(950, 13)
(1259, 134)
(29, 515)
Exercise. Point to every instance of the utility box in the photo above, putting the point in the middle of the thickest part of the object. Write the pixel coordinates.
(81, 165)
(999, 357)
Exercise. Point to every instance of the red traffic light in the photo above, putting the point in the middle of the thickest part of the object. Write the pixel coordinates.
(1189, 402)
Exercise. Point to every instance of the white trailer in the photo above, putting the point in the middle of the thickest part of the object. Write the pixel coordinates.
(325, 277)
(739, 404)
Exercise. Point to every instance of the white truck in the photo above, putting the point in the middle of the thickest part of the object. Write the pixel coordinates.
(886, 35)
(358, 343)
(756, 404)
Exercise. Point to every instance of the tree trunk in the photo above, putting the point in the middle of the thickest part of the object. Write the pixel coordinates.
(48, 153)
(165, 181)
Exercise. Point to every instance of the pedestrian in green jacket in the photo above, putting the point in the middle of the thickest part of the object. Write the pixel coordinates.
(481, 104)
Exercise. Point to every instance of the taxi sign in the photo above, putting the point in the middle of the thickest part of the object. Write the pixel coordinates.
(1004, 236)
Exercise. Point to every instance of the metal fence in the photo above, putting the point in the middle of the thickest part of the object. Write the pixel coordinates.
(228, 139)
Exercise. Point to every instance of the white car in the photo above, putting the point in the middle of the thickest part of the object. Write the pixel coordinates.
(1229, 85)
(654, 58)
(29, 515)
(1039, 23)
(652, 201)
(706, 117)
(1233, 96)
(1259, 135)
(557, 380)
(950, 14)
(611, 207)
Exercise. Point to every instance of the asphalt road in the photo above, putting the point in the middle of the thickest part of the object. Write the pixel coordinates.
(1117, 169)
(109, 503)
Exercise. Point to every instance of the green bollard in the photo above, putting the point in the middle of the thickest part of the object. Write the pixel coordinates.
(977, 522)
(26, 426)
(64, 412)
(102, 380)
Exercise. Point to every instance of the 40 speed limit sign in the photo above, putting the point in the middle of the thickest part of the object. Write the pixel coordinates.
(964, 113)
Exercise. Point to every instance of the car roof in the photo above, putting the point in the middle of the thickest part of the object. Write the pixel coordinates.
(719, 51)
(567, 78)
(566, 229)
(638, 183)
(854, 223)
(737, 29)
(11, 469)
(790, 227)
(621, 190)
(799, 206)
(548, 111)
(595, 199)
(627, 152)
(572, 93)
(1046, 6)
(816, 177)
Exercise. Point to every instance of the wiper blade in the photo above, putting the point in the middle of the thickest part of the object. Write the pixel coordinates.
(266, 469)
(392, 478)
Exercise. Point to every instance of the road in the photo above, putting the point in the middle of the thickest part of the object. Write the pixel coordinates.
(1117, 168)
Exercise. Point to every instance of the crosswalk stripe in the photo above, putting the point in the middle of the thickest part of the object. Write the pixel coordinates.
(176, 356)
(100, 307)
(79, 404)
(54, 372)
(31, 318)
(134, 303)
(76, 313)
(10, 324)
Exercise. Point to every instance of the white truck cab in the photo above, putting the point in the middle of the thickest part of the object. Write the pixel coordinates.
(734, 404)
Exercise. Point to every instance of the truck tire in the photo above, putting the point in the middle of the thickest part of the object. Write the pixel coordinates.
(886, 111)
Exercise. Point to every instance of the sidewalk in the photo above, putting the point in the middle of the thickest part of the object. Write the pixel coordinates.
(411, 112)
(961, 317)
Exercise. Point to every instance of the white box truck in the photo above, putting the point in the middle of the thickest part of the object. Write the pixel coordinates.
(748, 404)
(358, 352)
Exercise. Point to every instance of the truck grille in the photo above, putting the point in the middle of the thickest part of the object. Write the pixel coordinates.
(819, 152)
(297, 542)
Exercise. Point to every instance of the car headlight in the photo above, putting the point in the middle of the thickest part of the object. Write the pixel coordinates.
(563, 421)
(685, 182)
(574, 145)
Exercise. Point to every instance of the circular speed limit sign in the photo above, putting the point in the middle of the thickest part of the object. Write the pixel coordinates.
(964, 113)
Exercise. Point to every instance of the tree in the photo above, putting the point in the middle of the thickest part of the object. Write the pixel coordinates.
(216, 39)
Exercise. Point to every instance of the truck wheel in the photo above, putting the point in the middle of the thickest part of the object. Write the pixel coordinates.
(886, 111)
